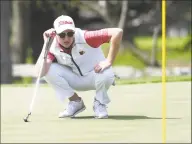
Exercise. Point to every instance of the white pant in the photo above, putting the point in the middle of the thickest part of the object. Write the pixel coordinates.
(65, 81)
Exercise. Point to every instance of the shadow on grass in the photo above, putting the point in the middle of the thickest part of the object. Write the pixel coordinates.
(123, 117)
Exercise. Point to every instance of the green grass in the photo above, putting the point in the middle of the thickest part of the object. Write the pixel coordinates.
(152, 80)
(127, 59)
(124, 58)
(172, 43)
(23, 80)
(173, 57)
(176, 57)
(135, 116)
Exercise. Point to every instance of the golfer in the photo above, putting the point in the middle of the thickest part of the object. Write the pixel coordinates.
(75, 62)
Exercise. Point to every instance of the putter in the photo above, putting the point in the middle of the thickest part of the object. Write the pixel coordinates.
(47, 46)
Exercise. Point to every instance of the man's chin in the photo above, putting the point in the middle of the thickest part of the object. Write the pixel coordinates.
(66, 46)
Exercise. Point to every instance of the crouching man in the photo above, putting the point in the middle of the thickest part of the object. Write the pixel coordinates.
(75, 62)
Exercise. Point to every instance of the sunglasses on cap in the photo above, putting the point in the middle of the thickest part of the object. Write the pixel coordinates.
(63, 34)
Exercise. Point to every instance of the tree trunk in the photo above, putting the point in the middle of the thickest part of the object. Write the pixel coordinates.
(100, 10)
(123, 16)
(26, 29)
(20, 30)
(122, 20)
(6, 67)
(154, 61)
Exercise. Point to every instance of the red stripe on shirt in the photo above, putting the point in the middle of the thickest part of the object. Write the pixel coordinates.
(50, 56)
(97, 37)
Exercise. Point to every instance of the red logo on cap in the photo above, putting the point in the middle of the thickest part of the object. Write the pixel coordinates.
(65, 22)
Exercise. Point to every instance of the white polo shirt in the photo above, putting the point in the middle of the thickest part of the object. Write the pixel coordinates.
(85, 53)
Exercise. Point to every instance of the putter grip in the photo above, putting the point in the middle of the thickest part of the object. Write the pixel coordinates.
(48, 45)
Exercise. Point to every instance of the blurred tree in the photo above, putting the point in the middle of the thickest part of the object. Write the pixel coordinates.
(154, 49)
(6, 65)
(123, 16)
(129, 15)
(20, 30)
(41, 17)
(137, 18)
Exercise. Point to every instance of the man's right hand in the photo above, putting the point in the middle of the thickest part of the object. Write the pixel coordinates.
(49, 33)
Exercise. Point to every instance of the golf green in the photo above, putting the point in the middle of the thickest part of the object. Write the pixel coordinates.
(135, 115)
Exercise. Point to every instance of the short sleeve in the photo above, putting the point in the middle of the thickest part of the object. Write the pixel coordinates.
(97, 37)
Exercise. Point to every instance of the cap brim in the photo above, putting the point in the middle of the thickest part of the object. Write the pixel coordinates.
(61, 29)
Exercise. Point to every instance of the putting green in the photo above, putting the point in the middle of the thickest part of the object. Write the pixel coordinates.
(135, 116)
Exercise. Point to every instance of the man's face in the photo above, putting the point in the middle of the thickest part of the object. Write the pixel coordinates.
(66, 38)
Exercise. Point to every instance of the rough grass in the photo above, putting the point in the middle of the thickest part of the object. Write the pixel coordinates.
(152, 80)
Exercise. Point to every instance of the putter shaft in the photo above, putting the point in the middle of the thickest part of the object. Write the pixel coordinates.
(47, 46)
(26, 119)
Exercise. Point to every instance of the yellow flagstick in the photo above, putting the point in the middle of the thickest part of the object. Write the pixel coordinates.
(164, 70)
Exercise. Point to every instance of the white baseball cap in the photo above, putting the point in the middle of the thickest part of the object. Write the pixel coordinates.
(63, 23)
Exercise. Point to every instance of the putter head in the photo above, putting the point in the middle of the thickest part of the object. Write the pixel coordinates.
(25, 120)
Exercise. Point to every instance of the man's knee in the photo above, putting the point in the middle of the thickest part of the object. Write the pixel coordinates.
(56, 70)
(53, 73)
(105, 79)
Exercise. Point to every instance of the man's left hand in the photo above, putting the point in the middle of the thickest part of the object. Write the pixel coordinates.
(102, 66)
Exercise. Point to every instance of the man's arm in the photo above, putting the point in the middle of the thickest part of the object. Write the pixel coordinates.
(46, 63)
(115, 41)
(50, 57)
(99, 37)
